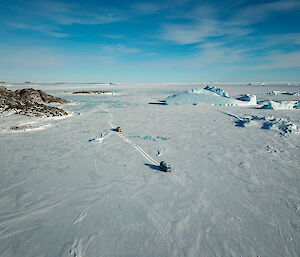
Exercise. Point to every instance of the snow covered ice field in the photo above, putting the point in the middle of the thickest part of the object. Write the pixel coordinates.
(234, 190)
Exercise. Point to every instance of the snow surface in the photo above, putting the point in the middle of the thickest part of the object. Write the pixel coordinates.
(234, 190)
(208, 95)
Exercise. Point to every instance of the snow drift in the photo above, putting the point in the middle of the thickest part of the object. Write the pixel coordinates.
(282, 124)
(208, 96)
(281, 105)
(278, 92)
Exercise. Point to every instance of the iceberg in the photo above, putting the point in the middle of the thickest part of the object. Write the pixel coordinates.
(207, 96)
(281, 105)
(218, 91)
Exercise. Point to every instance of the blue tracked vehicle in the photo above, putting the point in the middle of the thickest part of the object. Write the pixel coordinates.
(165, 167)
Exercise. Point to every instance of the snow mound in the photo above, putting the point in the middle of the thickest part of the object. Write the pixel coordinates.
(26, 127)
(218, 91)
(208, 97)
(284, 125)
(281, 105)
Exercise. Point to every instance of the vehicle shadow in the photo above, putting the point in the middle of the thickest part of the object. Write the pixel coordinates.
(154, 167)
(159, 103)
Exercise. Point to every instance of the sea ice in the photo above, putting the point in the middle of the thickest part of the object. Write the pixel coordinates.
(232, 192)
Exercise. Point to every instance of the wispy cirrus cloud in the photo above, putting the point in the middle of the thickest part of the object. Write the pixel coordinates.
(68, 14)
(189, 33)
(199, 31)
(203, 22)
(279, 60)
(145, 8)
(206, 21)
(285, 39)
(165, 35)
(51, 17)
(260, 12)
(209, 56)
(119, 49)
(227, 36)
(114, 36)
(60, 15)
(46, 29)
(152, 7)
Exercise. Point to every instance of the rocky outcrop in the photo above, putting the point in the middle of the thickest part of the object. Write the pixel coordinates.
(38, 96)
(91, 92)
(30, 102)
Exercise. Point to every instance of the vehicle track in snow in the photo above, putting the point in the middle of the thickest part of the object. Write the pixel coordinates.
(181, 179)
(147, 156)
(139, 149)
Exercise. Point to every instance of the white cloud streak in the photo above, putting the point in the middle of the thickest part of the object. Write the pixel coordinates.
(205, 22)
(260, 12)
(145, 8)
(68, 14)
(52, 31)
(119, 49)
(280, 61)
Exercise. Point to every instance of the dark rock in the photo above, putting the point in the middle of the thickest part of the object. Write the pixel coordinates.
(90, 92)
(30, 102)
(38, 96)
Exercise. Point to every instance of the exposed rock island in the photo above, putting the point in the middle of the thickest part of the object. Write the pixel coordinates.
(30, 102)
(99, 92)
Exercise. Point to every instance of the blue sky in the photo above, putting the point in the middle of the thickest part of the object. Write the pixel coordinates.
(149, 41)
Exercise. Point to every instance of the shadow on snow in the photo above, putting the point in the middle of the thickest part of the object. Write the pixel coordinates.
(159, 103)
(154, 167)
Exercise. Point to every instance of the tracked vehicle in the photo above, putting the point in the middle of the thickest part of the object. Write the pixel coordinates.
(165, 167)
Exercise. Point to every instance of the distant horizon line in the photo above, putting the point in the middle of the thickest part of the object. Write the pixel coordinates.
(136, 83)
